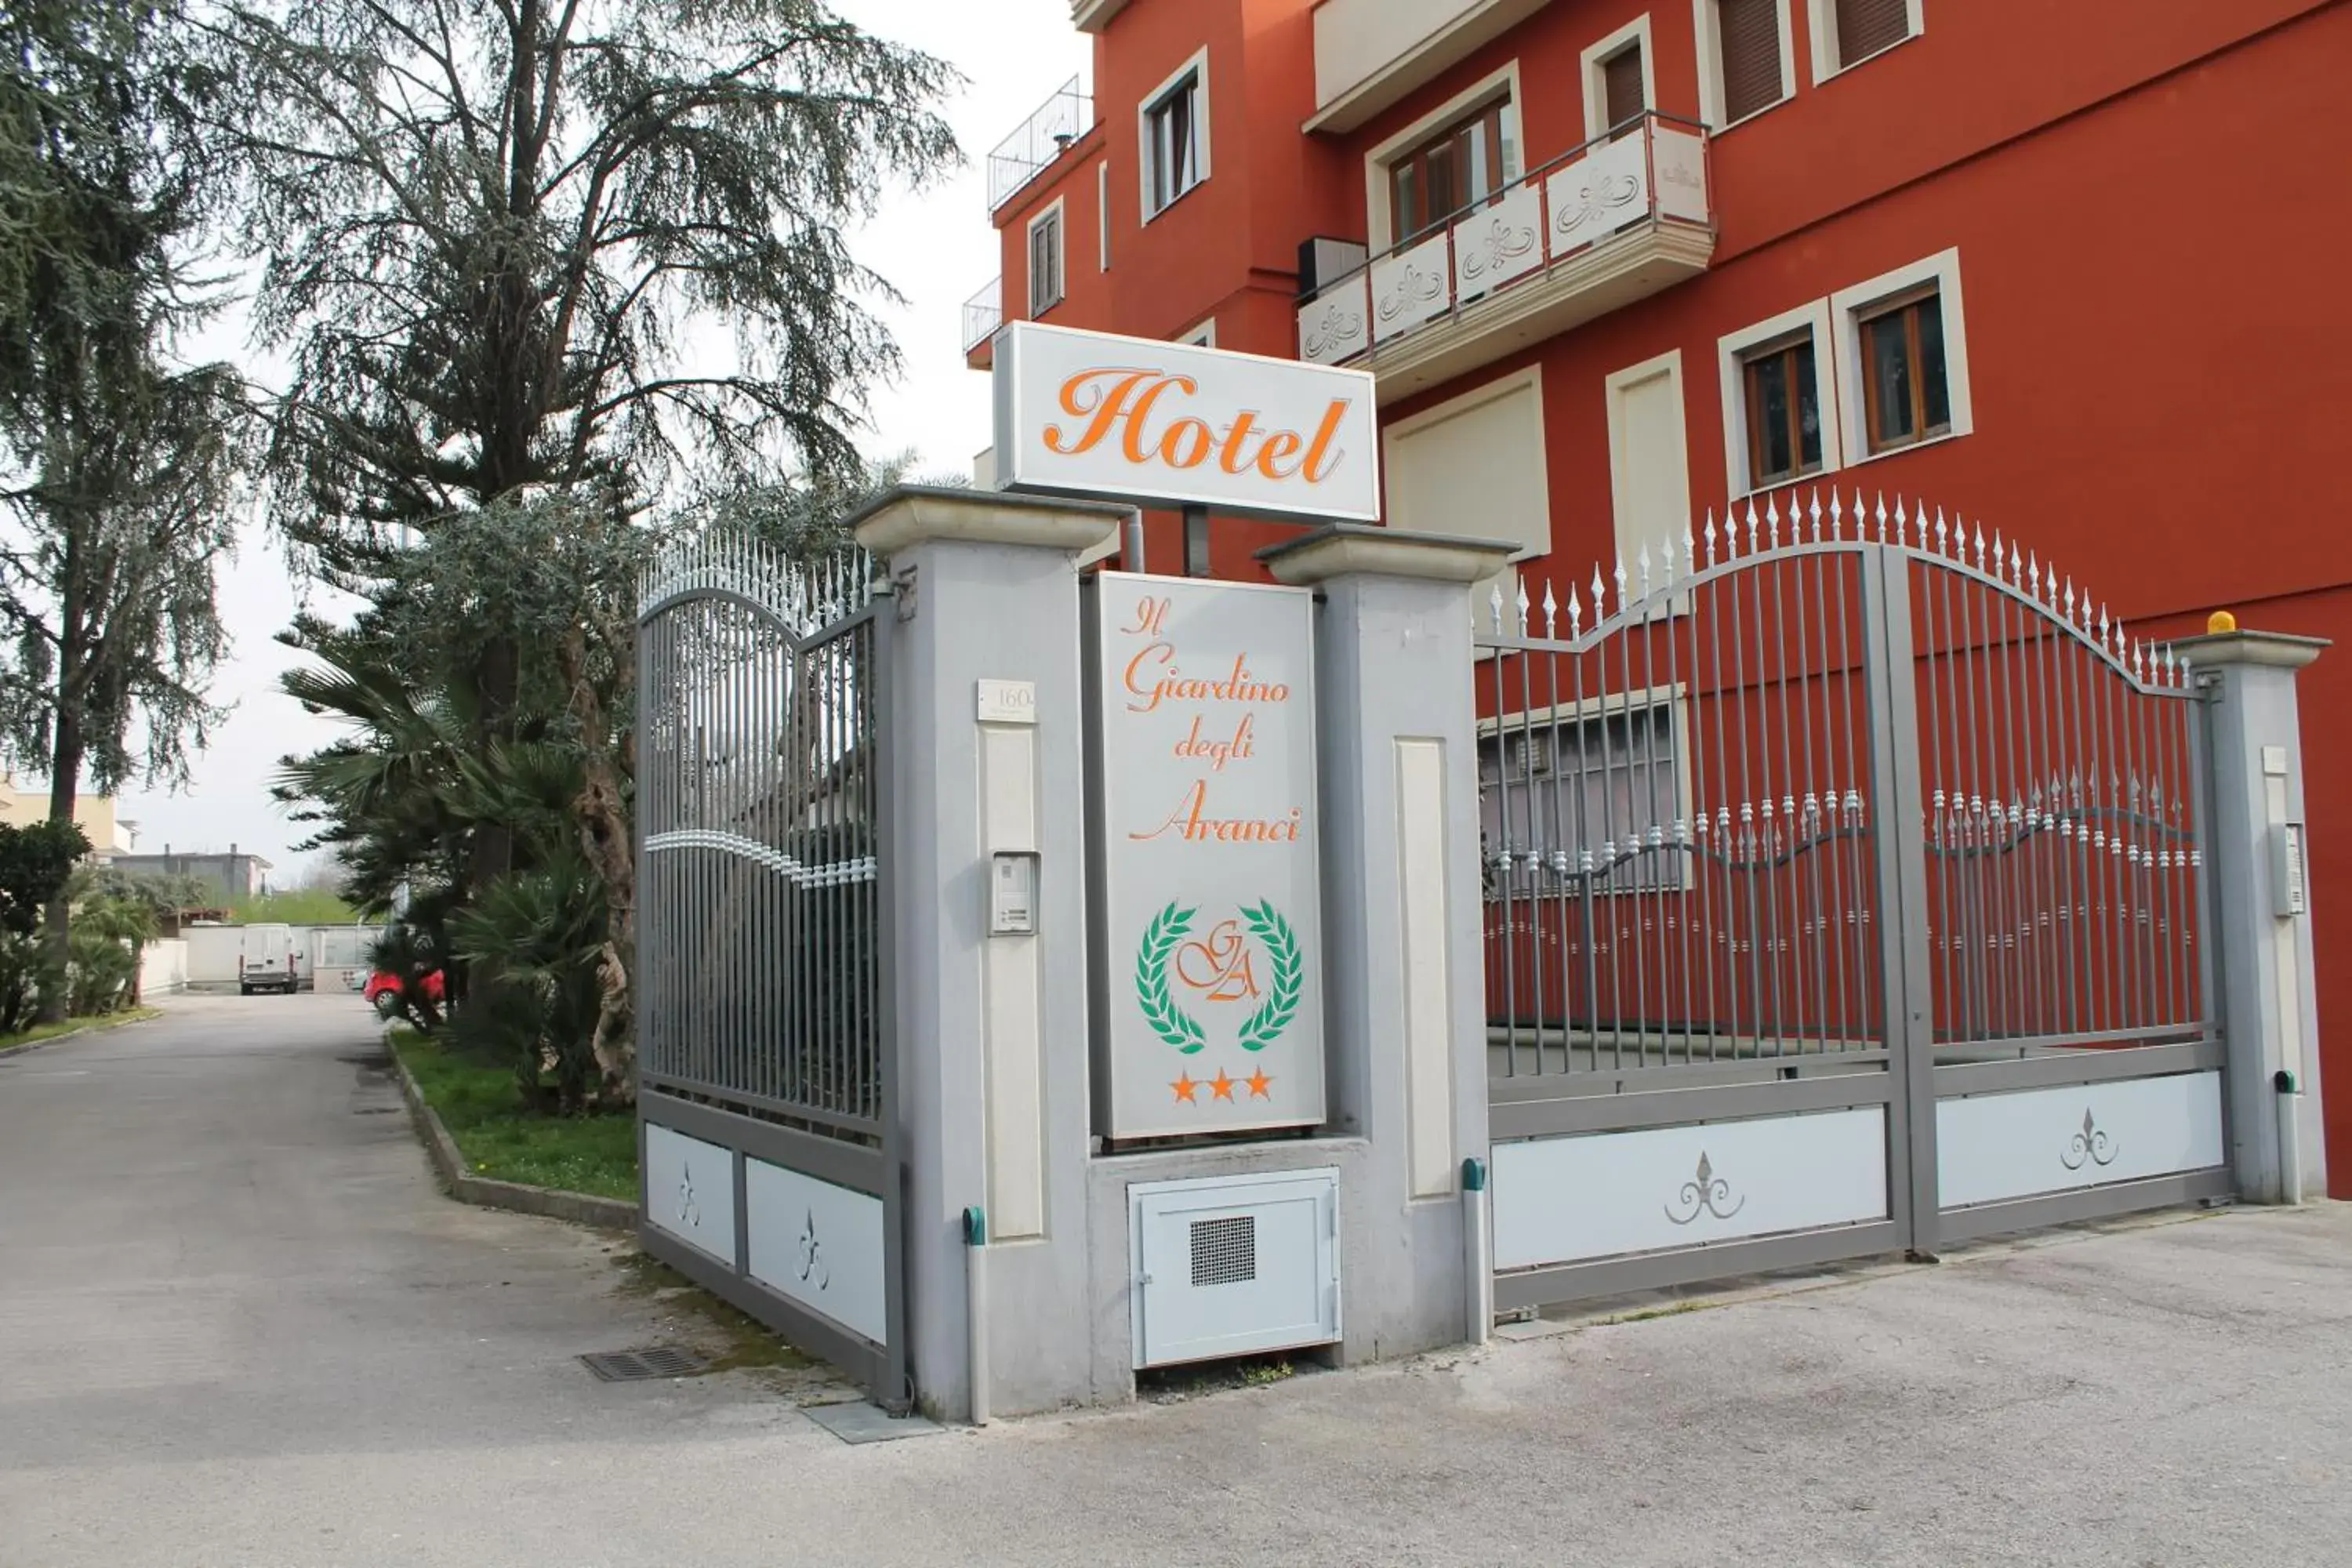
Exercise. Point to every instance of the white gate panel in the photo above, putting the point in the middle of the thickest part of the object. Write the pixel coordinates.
(690, 1190)
(1560, 1200)
(817, 1243)
(1998, 1146)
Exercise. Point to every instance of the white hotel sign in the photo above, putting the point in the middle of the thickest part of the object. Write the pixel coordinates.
(1085, 413)
(1213, 948)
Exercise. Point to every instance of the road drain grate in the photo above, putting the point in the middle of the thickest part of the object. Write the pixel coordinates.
(648, 1362)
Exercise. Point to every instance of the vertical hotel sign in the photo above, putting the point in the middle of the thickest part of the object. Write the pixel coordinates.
(1212, 916)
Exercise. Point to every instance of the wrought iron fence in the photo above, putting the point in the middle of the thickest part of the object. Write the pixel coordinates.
(759, 796)
(1683, 808)
(1021, 157)
(982, 314)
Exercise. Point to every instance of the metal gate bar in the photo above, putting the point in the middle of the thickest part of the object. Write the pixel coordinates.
(1830, 809)
(765, 1017)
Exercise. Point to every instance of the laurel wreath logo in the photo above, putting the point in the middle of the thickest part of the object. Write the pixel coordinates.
(1169, 1022)
(1281, 1004)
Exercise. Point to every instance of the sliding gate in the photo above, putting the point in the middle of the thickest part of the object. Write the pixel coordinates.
(1844, 886)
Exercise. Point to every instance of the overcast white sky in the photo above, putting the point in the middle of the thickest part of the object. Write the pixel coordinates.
(938, 249)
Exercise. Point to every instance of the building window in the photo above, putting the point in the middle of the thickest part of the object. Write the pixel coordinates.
(1619, 87)
(1203, 336)
(1596, 780)
(1461, 166)
(1903, 363)
(1176, 136)
(1779, 409)
(1904, 393)
(1848, 32)
(1460, 153)
(1045, 261)
(1866, 26)
(1749, 71)
(1781, 392)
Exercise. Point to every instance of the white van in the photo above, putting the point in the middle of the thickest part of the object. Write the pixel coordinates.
(265, 959)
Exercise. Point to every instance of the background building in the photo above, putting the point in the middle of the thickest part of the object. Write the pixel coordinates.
(2069, 272)
(109, 839)
(234, 875)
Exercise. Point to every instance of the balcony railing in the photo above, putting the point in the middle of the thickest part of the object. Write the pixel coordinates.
(1027, 153)
(1570, 233)
(982, 314)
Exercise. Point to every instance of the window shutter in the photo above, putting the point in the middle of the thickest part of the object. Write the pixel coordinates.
(1866, 26)
(1046, 265)
(1750, 30)
(1620, 79)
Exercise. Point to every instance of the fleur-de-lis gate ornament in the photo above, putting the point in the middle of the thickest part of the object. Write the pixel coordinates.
(2090, 1144)
(814, 1269)
(1706, 1193)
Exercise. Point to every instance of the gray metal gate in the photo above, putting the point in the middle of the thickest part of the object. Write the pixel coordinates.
(1844, 888)
(767, 1056)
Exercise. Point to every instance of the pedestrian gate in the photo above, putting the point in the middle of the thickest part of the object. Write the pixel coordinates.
(1846, 892)
(766, 1052)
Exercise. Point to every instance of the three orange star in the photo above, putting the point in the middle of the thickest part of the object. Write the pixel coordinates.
(1188, 1087)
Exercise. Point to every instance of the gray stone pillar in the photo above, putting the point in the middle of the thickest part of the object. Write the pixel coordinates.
(1397, 749)
(984, 723)
(2261, 943)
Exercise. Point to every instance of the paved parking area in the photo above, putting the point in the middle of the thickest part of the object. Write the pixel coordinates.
(238, 1327)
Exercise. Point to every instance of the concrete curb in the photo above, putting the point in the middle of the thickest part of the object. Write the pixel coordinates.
(604, 1213)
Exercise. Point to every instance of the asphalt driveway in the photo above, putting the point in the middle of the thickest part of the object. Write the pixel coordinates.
(239, 1326)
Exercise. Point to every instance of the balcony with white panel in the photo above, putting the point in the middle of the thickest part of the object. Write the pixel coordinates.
(1616, 221)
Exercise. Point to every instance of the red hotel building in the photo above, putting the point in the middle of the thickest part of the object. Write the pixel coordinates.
(2073, 270)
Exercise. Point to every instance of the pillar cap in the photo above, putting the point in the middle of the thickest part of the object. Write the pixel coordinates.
(1346, 549)
(918, 514)
(2261, 651)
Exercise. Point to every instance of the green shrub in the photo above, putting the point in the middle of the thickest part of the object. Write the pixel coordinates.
(102, 973)
(532, 942)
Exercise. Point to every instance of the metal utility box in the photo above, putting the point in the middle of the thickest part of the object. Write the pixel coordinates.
(1231, 1266)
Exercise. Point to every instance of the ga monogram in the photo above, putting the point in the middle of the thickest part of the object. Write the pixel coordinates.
(1221, 967)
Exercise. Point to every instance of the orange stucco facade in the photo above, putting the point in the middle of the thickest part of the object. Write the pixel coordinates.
(2147, 198)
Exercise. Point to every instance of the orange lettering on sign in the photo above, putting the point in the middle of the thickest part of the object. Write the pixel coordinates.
(1125, 400)
(1219, 964)
(1191, 823)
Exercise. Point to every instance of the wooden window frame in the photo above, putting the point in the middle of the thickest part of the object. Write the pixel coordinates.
(1487, 116)
(1814, 320)
(1866, 326)
(1784, 348)
(1499, 86)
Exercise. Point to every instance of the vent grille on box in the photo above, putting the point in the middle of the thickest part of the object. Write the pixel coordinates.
(1224, 1251)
